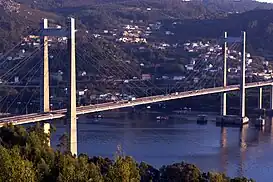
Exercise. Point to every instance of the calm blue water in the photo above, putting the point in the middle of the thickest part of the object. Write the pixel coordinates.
(237, 152)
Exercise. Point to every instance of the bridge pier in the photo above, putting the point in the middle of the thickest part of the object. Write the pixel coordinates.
(260, 99)
(71, 108)
(269, 111)
(224, 104)
(271, 98)
(47, 131)
(44, 83)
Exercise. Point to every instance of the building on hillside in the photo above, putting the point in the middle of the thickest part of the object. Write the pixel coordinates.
(146, 76)
(189, 67)
(178, 77)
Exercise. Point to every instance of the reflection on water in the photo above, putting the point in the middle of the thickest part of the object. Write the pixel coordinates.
(245, 151)
(243, 148)
(224, 151)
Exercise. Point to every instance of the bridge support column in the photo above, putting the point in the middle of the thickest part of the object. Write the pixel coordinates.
(271, 98)
(224, 95)
(260, 101)
(47, 131)
(242, 84)
(44, 83)
(224, 104)
(71, 110)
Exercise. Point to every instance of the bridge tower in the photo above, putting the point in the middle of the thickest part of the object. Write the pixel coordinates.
(44, 82)
(71, 110)
(70, 33)
(242, 40)
(224, 94)
(243, 75)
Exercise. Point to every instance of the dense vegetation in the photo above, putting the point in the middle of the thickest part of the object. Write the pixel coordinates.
(26, 157)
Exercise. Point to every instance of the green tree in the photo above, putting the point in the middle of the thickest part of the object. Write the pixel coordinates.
(72, 169)
(217, 177)
(148, 173)
(123, 170)
(14, 168)
(180, 172)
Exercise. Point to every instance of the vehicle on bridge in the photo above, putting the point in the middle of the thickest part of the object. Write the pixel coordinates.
(176, 93)
(162, 117)
(131, 99)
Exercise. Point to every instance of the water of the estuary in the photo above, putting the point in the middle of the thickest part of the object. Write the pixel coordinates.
(246, 151)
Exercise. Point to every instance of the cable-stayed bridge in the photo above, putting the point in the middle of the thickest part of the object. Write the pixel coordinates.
(35, 117)
(197, 88)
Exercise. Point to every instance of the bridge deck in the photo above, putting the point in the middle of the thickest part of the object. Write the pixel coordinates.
(35, 117)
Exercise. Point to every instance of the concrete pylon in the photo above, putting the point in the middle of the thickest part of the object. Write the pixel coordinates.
(44, 82)
(243, 73)
(224, 94)
(47, 131)
(271, 98)
(260, 101)
(71, 108)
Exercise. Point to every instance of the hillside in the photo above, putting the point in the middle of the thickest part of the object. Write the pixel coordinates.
(258, 25)
(17, 20)
(109, 13)
(236, 6)
(215, 5)
(198, 18)
(101, 13)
